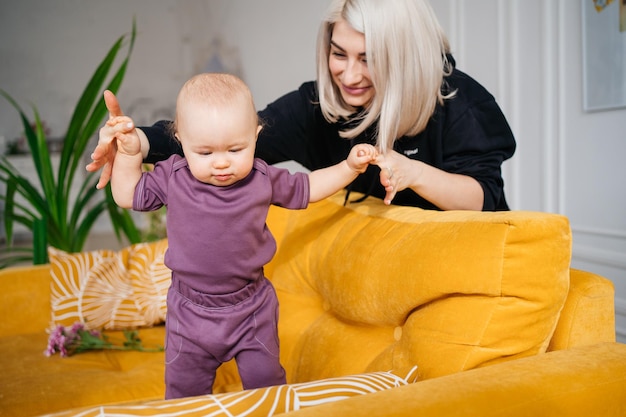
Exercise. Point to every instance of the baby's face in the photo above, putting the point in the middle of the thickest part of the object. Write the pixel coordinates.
(218, 143)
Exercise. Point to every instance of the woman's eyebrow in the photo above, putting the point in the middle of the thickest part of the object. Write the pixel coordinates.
(335, 45)
(361, 54)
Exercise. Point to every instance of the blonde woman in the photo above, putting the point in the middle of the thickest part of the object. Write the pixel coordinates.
(385, 77)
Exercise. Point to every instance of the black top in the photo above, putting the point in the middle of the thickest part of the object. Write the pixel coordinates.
(467, 135)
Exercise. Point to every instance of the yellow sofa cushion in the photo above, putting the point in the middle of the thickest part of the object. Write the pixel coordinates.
(589, 312)
(25, 289)
(265, 402)
(107, 289)
(370, 287)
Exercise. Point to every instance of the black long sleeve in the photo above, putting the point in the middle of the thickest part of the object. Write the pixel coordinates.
(467, 135)
(162, 143)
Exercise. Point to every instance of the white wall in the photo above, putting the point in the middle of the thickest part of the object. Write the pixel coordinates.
(528, 53)
(51, 48)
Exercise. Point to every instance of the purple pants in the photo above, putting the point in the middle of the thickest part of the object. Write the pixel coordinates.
(205, 330)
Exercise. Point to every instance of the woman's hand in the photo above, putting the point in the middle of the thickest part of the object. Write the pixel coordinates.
(104, 154)
(397, 172)
(445, 190)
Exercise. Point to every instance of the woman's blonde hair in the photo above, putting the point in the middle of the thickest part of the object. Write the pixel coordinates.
(406, 56)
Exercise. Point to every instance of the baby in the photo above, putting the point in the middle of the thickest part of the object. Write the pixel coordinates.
(220, 305)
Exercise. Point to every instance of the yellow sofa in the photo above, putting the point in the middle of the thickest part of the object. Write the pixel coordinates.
(485, 305)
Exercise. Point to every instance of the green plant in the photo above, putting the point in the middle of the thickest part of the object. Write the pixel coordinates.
(47, 210)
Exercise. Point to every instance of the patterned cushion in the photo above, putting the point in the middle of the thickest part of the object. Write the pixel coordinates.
(108, 289)
(259, 402)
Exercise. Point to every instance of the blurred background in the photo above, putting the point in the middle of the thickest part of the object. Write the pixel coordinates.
(547, 62)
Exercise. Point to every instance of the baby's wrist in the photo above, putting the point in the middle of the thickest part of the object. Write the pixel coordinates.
(355, 167)
(350, 166)
(129, 155)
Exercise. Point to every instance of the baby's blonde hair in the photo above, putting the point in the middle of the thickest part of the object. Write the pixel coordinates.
(406, 56)
(217, 89)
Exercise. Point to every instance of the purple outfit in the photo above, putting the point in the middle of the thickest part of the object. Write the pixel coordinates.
(220, 305)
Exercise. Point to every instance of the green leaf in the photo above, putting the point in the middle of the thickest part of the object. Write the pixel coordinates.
(86, 193)
(23, 187)
(121, 218)
(82, 232)
(44, 167)
(40, 242)
(37, 144)
(9, 207)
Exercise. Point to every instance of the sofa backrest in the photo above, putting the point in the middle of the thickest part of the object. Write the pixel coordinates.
(369, 287)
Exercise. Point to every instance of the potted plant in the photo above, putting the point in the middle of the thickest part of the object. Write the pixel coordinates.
(47, 210)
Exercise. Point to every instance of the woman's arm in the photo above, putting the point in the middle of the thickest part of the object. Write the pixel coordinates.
(445, 190)
(458, 166)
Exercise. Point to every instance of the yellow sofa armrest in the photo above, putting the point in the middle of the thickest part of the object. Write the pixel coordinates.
(584, 381)
(588, 316)
(24, 299)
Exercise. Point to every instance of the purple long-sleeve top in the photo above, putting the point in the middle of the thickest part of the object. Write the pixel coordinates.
(218, 240)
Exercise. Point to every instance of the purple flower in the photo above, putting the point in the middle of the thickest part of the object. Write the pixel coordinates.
(77, 339)
(56, 342)
(76, 327)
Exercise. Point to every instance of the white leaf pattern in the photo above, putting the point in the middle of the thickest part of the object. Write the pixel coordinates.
(106, 289)
(268, 401)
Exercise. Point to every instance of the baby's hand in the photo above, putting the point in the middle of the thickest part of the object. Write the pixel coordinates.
(122, 128)
(361, 156)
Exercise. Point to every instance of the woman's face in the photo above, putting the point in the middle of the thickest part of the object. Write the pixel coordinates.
(348, 65)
